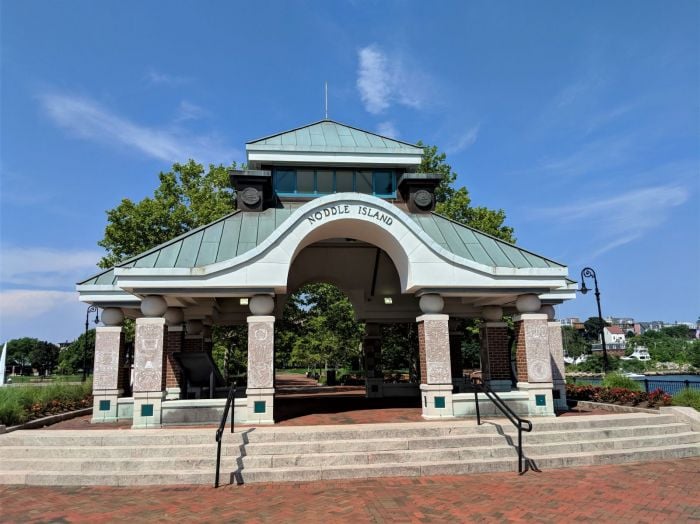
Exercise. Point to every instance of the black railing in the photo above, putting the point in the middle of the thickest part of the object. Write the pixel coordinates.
(520, 423)
(230, 401)
(672, 387)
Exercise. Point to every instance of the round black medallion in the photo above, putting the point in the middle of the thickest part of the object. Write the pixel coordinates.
(423, 198)
(250, 196)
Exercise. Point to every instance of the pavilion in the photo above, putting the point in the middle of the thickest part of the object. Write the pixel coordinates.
(326, 203)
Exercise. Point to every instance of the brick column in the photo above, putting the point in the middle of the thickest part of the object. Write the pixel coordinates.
(436, 373)
(372, 349)
(108, 376)
(495, 355)
(556, 351)
(533, 357)
(175, 386)
(149, 379)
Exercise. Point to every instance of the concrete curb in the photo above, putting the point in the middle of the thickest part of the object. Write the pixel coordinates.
(47, 421)
(689, 415)
(613, 407)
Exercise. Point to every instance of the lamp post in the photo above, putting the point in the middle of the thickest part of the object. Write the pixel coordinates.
(588, 272)
(90, 309)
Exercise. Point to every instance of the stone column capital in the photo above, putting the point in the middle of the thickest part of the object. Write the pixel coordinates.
(435, 316)
(529, 316)
(495, 325)
(260, 318)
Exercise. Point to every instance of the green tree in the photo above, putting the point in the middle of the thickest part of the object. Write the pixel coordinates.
(187, 197)
(44, 357)
(70, 359)
(593, 328)
(455, 203)
(19, 351)
(573, 342)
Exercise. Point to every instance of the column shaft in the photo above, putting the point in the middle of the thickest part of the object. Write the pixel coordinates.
(149, 379)
(534, 362)
(261, 369)
(495, 355)
(108, 376)
(556, 351)
(436, 373)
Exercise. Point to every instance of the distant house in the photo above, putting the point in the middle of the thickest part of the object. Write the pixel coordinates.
(615, 341)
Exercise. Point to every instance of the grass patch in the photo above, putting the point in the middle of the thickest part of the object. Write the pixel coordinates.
(18, 404)
(687, 397)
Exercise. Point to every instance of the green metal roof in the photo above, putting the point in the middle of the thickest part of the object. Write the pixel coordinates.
(237, 233)
(472, 244)
(328, 135)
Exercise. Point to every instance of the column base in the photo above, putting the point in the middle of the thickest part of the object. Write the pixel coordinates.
(172, 393)
(147, 409)
(559, 390)
(436, 401)
(540, 398)
(500, 385)
(260, 406)
(374, 387)
(104, 405)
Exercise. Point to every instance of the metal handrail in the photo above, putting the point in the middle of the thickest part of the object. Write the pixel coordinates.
(520, 423)
(222, 425)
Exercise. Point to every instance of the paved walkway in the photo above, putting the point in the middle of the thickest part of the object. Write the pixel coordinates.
(667, 491)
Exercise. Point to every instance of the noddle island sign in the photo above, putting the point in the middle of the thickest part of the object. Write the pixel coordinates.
(349, 209)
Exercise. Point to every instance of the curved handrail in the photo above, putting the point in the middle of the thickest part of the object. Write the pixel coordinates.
(222, 425)
(520, 423)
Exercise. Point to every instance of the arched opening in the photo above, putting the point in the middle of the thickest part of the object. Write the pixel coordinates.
(345, 299)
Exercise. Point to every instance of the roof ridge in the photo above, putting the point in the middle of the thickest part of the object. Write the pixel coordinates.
(337, 123)
(161, 246)
(498, 240)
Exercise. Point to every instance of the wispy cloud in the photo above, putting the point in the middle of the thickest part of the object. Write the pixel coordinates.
(463, 141)
(155, 77)
(623, 218)
(46, 267)
(387, 129)
(87, 119)
(23, 304)
(384, 79)
(189, 111)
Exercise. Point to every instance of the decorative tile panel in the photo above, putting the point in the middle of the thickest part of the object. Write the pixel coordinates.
(261, 353)
(539, 367)
(556, 351)
(148, 354)
(437, 351)
(108, 345)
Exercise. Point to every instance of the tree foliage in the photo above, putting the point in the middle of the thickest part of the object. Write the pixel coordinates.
(187, 197)
(455, 203)
(318, 329)
(32, 353)
(670, 344)
(70, 359)
(573, 342)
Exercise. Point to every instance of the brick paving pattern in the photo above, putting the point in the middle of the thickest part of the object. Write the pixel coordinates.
(667, 491)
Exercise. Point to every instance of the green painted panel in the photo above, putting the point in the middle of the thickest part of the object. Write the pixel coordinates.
(427, 223)
(281, 215)
(148, 260)
(207, 253)
(189, 250)
(229, 238)
(249, 232)
(467, 235)
(168, 255)
(105, 278)
(497, 255)
(289, 139)
(454, 243)
(514, 254)
(266, 225)
(146, 410)
(376, 141)
(303, 137)
(213, 232)
(360, 138)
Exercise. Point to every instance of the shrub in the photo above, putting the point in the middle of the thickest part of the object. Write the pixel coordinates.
(617, 380)
(688, 397)
(21, 403)
(618, 395)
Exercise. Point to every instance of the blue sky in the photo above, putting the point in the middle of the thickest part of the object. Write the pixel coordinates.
(580, 119)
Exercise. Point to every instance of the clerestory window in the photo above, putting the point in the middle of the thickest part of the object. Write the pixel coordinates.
(315, 182)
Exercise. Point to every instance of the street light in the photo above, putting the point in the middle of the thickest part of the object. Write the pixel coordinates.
(90, 309)
(588, 272)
